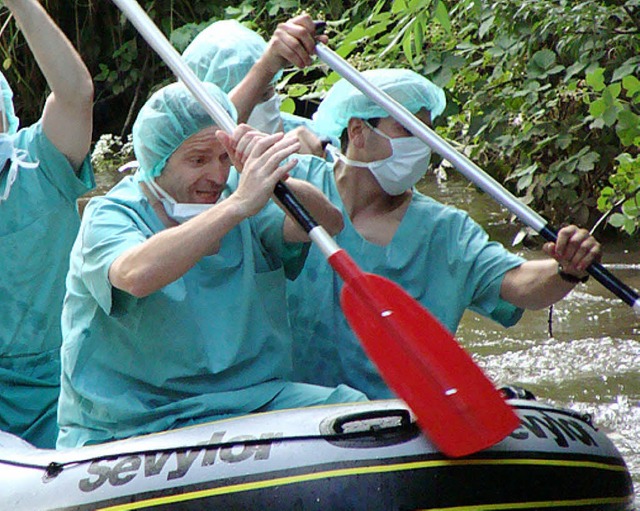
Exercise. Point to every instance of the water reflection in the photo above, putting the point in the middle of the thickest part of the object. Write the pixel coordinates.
(591, 362)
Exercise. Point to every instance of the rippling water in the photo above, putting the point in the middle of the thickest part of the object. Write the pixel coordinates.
(590, 363)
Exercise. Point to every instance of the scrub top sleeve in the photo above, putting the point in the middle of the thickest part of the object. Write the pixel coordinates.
(107, 231)
(55, 166)
(269, 226)
(490, 262)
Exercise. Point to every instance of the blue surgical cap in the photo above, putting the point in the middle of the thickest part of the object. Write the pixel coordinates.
(7, 106)
(344, 101)
(168, 118)
(224, 52)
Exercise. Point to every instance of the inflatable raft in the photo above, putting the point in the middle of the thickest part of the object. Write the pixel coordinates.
(364, 456)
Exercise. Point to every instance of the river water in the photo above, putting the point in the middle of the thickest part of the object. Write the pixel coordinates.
(591, 362)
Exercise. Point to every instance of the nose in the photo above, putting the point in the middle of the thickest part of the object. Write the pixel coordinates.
(218, 172)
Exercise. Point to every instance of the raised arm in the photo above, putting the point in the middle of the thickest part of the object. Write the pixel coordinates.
(293, 42)
(68, 112)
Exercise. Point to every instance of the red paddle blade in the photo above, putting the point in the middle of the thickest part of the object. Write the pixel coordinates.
(455, 404)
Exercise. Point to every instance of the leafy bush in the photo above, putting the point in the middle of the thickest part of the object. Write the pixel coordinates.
(542, 94)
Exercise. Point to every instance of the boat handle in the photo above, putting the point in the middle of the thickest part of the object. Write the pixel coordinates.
(372, 420)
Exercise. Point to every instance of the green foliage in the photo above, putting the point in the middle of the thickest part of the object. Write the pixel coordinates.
(542, 94)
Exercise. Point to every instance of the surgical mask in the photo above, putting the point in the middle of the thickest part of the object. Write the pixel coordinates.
(399, 172)
(179, 211)
(266, 116)
(17, 159)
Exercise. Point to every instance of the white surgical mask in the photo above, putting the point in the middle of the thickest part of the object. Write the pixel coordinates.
(266, 116)
(179, 211)
(17, 159)
(407, 164)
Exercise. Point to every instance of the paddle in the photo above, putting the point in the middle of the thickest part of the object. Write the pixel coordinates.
(454, 402)
(467, 167)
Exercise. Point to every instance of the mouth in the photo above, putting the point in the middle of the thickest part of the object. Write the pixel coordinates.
(207, 197)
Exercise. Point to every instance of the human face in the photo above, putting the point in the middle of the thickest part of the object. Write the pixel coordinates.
(379, 148)
(197, 171)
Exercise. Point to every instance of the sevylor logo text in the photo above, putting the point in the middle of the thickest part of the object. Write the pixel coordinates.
(560, 428)
(176, 463)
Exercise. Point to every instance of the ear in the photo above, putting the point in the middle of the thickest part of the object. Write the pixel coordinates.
(356, 129)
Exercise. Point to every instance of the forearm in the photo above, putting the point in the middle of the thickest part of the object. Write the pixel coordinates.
(248, 93)
(169, 254)
(534, 285)
(67, 118)
(319, 207)
(62, 67)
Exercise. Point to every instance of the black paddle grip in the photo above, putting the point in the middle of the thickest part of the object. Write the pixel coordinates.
(297, 210)
(601, 274)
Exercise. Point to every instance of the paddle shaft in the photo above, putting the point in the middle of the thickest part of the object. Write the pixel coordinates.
(466, 167)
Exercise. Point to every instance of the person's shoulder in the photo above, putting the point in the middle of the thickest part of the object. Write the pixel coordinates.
(436, 212)
(434, 207)
(125, 193)
(311, 167)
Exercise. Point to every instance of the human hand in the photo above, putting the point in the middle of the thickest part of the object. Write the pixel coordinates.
(310, 143)
(575, 250)
(260, 159)
(293, 42)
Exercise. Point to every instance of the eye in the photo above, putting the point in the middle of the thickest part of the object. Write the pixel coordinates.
(198, 160)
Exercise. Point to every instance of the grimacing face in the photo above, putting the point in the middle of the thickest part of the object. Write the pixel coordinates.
(197, 171)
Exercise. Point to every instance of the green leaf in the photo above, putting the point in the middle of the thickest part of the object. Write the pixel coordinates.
(103, 74)
(631, 85)
(617, 220)
(485, 26)
(296, 90)
(587, 162)
(596, 79)
(442, 16)
(597, 108)
(630, 208)
(628, 127)
(564, 140)
(574, 69)
(627, 68)
(544, 59)
(288, 105)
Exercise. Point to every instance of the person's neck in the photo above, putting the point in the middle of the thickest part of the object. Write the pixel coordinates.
(157, 206)
(360, 192)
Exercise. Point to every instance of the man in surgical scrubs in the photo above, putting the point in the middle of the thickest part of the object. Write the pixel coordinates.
(44, 168)
(437, 253)
(242, 64)
(175, 312)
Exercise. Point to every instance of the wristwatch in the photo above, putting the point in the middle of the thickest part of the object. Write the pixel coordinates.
(567, 277)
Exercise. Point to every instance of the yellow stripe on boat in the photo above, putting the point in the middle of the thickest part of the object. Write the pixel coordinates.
(397, 467)
(535, 505)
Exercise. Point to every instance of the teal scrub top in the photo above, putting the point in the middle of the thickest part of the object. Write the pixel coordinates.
(38, 224)
(291, 122)
(439, 255)
(213, 343)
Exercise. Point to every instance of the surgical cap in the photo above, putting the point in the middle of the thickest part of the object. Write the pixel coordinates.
(344, 101)
(168, 118)
(7, 105)
(224, 52)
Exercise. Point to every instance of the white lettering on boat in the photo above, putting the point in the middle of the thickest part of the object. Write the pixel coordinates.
(561, 429)
(120, 471)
